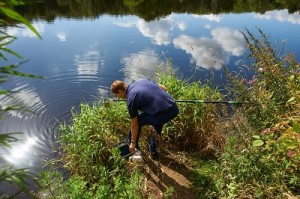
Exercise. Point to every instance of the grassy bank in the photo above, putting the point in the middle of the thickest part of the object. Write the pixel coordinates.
(253, 152)
(95, 166)
(262, 154)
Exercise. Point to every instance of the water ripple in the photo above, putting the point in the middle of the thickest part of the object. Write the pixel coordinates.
(50, 102)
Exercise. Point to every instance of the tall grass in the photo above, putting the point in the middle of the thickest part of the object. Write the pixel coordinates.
(197, 127)
(95, 166)
(262, 157)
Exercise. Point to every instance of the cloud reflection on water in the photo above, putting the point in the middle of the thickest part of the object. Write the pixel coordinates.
(212, 52)
(280, 15)
(24, 153)
(61, 36)
(25, 32)
(141, 65)
(159, 31)
(206, 52)
(210, 17)
(88, 63)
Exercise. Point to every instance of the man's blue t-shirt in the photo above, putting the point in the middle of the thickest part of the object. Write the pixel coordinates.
(146, 96)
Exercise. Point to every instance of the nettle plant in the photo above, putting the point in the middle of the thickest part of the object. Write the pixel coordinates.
(280, 149)
(269, 150)
(273, 90)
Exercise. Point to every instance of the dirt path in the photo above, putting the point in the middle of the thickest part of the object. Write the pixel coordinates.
(168, 177)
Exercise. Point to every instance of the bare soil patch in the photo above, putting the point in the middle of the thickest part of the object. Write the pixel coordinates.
(168, 177)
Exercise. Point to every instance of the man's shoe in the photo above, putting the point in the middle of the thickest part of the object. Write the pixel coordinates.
(154, 155)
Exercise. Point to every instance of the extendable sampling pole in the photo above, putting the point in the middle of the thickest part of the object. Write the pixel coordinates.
(191, 101)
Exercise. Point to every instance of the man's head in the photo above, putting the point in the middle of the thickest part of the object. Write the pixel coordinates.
(118, 88)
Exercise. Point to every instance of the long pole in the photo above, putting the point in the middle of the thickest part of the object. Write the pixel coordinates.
(192, 101)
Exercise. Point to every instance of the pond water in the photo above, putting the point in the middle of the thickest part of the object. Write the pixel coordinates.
(80, 57)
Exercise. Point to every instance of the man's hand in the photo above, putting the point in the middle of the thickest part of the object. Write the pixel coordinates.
(132, 147)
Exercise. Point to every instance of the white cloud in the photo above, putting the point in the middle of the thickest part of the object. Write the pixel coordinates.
(202, 51)
(207, 26)
(126, 24)
(280, 15)
(88, 64)
(23, 31)
(141, 65)
(157, 30)
(232, 41)
(210, 17)
(212, 52)
(61, 36)
(181, 25)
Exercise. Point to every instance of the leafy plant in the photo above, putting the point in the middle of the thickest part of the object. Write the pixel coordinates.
(261, 159)
(18, 177)
(169, 192)
(273, 89)
(7, 173)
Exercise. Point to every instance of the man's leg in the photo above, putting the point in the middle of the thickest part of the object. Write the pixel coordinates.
(157, 122)
(155, 132)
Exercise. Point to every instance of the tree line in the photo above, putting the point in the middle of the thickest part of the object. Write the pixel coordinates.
(146, 9)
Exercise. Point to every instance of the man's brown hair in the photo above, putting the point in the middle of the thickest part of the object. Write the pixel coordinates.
(117, 86)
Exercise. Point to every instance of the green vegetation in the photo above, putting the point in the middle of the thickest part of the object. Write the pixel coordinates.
(8, 174)
(251, 152)
(49, 10)
(197, 125)
(96, 167)
(262, 154)
(262, 157)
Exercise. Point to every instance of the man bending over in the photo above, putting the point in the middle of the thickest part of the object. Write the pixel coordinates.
(148, 103)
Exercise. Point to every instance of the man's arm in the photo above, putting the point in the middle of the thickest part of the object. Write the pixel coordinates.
(134, 124)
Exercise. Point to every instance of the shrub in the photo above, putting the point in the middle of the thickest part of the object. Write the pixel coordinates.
(262, 157)
(197, 126)
(95, 166)
(87, 143)
(274, 89)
